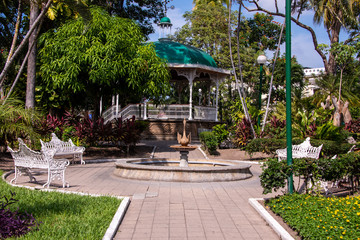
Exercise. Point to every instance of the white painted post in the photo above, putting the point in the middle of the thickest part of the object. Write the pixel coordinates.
(100, 105)
(190, 100)
(117, 105)
(145, 110)
(217, 100)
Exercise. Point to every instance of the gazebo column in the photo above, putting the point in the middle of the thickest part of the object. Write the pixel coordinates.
(217, 99)
(190, 75)
(209, 94)
(190, 99)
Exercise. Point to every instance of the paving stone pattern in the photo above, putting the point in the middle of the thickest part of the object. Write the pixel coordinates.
(175, 210)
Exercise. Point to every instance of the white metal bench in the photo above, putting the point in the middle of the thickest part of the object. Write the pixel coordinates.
(63, 148)
(303, 150)
(26, 159)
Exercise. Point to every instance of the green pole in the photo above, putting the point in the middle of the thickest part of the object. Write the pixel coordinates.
(261, 70)
(288, 92)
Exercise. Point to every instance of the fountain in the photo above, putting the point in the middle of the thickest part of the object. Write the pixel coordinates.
(196, 170)
(184, 149)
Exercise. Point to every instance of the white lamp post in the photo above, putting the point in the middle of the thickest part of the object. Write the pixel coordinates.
(261, 60)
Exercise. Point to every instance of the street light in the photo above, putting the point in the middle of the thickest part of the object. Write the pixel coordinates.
(261, 60)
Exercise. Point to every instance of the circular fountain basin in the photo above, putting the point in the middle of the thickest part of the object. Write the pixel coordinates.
(161, 169)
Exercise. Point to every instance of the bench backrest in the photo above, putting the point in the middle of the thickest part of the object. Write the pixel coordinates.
(57, 144)
(26, 157)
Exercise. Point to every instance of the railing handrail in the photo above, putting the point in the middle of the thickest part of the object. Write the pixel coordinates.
(160, 111)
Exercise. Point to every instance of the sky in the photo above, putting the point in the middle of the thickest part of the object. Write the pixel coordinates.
(301, 42)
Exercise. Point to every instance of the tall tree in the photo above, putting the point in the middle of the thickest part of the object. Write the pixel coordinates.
(336, 15)
(144, 12)
(31, 68)
(106, 57)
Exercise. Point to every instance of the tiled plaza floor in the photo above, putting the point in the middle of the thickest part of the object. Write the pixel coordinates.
(175, 210)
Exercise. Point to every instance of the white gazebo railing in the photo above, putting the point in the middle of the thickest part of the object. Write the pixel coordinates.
(172, 111)
(205, 113)
(152, 111)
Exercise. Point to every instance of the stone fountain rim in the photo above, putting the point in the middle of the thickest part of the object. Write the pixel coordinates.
(130, 163)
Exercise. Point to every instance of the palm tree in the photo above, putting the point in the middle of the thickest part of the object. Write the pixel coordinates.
(335, 15)
(15, 121)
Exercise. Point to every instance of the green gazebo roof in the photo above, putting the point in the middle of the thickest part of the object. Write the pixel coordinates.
(165, 20)
(177, 53)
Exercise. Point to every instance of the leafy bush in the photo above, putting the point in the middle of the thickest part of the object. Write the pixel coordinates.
(317, 217)
(270, 145)
(14, 223)
(274, 172)
(275, 128)
(328, 131)
(209, 141)
(265, 145)
(274, 175)
(221, 133)
(242, 132)
(15, 122)
(353, 126)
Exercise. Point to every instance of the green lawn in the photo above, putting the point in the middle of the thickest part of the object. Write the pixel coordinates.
(318, 217)
(64, 216)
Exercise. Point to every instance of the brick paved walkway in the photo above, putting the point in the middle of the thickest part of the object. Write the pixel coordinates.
(173, 210)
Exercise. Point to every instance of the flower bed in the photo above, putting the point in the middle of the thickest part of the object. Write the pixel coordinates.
(317, 217)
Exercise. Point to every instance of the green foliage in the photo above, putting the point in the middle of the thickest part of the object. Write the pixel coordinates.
(270, 145)
(242, 133)
(105, 57)
(329, 132)
(221, 132)
(64, 216)
(15, 122)
(312, 170)
(209, 141)
(265, 145)
(297, 78)
(317, 217)
(274, 175)
(275, 129)
(261, 32)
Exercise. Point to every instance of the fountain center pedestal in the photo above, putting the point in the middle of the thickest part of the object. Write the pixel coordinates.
(183, 148)
(184, 152)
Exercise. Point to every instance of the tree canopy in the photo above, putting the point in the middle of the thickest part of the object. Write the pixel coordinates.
(107, 56)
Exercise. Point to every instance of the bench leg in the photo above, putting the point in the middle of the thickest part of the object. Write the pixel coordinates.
(81, 159)
(19, 171)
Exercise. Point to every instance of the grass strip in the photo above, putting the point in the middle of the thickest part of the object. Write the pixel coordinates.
(318, 217)
(63, 216)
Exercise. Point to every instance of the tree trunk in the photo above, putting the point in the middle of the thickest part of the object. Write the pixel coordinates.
(31, 70)
(334, 38)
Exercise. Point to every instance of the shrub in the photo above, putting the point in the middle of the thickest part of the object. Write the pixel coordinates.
(353, 126)
(270, 145)
(265, 145)
(209, 141)
(221, 133)
(275, 172)
(275, 128)
(14, 223)
(242, 132)
(274, 175)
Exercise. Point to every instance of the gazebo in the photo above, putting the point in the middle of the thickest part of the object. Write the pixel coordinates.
(188, 65)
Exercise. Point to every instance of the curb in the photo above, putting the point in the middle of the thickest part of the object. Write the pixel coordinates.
(283, 234)
(115, 222)
(118, 217)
